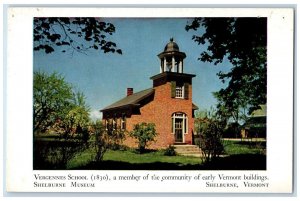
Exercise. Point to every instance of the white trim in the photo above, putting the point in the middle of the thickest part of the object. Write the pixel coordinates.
(123, 123)
(173, 63)
(185, 125)
(114, 124)
(182, 91)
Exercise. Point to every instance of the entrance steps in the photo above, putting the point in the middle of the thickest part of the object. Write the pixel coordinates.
(188, 150)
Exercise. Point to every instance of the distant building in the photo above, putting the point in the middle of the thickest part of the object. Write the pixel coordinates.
(256, 124)
(168, 104)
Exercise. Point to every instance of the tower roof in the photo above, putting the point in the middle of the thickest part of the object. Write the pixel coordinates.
(171, 46)
(171, 49)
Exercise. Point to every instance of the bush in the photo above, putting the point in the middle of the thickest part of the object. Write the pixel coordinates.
(51, 154)
(106, 138)
(170, 151)
(210, 141)
(143, 133)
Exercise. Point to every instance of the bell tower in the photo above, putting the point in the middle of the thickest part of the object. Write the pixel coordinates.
(171, 70)
(171, 59)
(173, 96)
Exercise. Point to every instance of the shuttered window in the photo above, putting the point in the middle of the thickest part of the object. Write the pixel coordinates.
(179, 90)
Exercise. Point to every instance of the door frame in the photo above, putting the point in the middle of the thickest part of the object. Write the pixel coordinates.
(183, 117)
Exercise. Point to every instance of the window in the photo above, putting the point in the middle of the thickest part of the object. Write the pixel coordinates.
(114, 124)
(123, 122)
(179, 92)
(106, 124)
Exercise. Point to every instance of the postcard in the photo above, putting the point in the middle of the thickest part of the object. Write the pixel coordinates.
(149, 100)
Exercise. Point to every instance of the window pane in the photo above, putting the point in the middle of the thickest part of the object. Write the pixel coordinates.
(179, 92)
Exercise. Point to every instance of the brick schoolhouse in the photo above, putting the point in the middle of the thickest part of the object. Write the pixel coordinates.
(168, 103)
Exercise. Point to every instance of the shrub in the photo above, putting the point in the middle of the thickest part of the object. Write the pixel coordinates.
(143, 133)
(106, 138)
(170, 151)
(55, 153)
(210, 141)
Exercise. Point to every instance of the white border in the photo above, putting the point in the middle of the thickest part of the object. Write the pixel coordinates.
(19, 174)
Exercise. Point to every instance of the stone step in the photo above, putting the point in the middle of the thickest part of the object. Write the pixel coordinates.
(186, 146)
(194, 155)
(188, 150)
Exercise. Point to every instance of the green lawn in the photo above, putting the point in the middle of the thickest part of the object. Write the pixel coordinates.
(234, 147)
(130, 158)
(239, 155)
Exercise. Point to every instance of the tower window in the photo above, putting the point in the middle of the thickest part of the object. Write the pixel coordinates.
(179, 92)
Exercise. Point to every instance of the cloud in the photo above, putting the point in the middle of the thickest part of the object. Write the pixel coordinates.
(95, 115)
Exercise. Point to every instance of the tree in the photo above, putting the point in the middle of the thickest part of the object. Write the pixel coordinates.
(77, 119)
(105, 138)
(52, 100)
(58, 108)
(78, 34)
(210, 129)
(143, 133)
(243, 41)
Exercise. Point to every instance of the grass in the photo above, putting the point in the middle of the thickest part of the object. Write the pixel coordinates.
(128, 159)
(244, 147)
(239, 155)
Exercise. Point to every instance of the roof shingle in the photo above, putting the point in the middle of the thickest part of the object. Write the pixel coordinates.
(131, 100)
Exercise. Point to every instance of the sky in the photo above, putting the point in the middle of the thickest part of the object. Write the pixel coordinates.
(104, 78)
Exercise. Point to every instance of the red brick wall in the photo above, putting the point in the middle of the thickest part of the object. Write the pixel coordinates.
(159, 111)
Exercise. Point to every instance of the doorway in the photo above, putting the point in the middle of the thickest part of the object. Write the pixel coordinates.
(179, 126)
(178, 130)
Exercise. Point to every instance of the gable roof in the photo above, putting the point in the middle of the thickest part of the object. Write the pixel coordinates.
(132, 100)
(262, 112)
(195, 107)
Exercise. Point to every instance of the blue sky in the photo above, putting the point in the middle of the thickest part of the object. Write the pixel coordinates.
(103, 78)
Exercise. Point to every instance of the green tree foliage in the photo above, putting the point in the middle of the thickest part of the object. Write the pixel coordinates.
(209, 128)
(52, 100)
(243, 41)
(210, 141)
(57, 108)
(56, 105)
(77, 119)
(143, 133)
(76, 34)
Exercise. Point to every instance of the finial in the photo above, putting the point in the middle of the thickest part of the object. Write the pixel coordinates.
(171, 39)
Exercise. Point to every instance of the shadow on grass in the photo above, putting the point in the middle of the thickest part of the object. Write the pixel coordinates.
(252, 143)
(233, 162)
(238, 162)
(118, 165)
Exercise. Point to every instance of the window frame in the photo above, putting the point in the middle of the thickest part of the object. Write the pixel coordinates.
(179, 89)
(123, 122)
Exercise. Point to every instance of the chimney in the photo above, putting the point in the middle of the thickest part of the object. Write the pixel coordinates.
(129, 91)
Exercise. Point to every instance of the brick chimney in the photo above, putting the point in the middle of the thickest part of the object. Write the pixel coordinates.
(129, 91)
